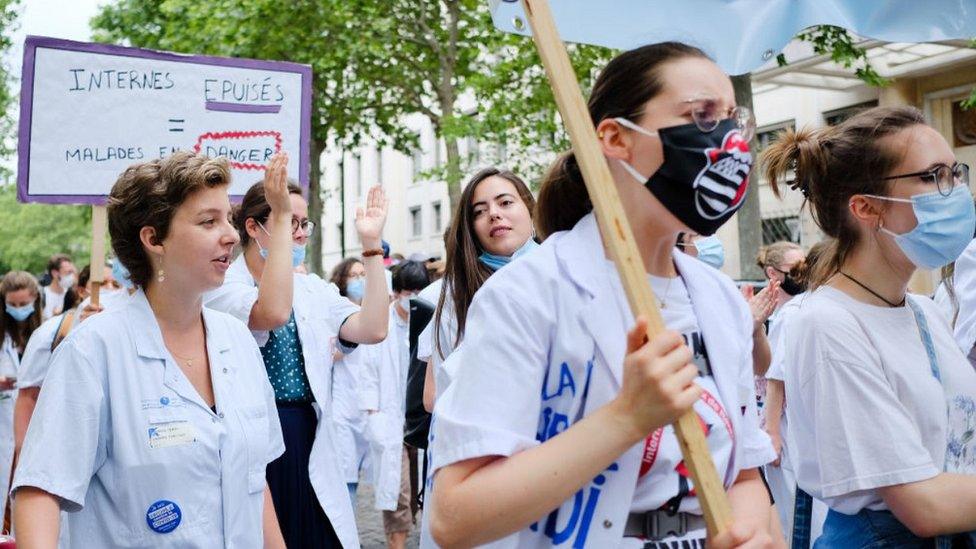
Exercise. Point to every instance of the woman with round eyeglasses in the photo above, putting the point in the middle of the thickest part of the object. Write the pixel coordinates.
(294, 317)
(881, 400)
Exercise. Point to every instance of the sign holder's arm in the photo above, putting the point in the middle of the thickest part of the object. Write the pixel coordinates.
(619, 240)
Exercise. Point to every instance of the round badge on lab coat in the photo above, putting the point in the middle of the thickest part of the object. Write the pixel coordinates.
(163, 516)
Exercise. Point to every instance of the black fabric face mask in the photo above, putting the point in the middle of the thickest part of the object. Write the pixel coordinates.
(791, 286)
(704, 177)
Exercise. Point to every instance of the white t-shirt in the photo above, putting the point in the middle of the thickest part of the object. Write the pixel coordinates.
(865, 410)
(664, 480)
(53, 302)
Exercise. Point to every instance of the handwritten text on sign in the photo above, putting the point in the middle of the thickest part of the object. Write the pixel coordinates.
(92, 110)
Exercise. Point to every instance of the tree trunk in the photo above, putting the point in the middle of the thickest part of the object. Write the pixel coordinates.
(453, 176)
(315, 208)
(749, 217)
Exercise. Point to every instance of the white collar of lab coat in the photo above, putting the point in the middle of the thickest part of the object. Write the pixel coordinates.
(238, 272)
(149, 338)
(580, 255)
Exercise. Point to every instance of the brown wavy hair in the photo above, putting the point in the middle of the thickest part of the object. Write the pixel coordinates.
(148, 194)
(465, 274)
(833, 164)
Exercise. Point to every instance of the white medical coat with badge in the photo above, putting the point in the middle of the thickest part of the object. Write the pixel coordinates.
(544, 346)
(319, 313)
(134, 454)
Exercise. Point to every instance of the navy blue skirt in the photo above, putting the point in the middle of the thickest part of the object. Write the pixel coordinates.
(303, 523)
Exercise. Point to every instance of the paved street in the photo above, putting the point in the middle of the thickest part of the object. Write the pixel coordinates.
(370, 522)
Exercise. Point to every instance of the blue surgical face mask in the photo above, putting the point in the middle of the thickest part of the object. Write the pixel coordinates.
(20, 314)
(121, 274)
(711, 251)
(297, 250)
(495, 262)
(356, 289)
(945, 226)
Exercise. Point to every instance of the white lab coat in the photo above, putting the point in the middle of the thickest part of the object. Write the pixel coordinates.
(319, 313)
(544, 346)
(132, 451)
(9, 364)
(383, 387)
(350, 420)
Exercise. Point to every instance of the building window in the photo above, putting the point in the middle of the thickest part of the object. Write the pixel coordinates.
(474, 152)
(766, 134)
(417, 156)
(775, 229)
(379, 166)
(836, 116)
(358, 160)
(437, 217)
(416, 222)
(437, 152)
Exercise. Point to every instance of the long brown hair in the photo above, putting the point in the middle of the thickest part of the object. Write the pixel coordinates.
(627, 82)
(465, 273)
(19, 332)
(832, 165)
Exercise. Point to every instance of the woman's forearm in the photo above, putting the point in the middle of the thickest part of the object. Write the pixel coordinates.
(23, 410)
(484, 499)
(750, 501)
(773, 409)
(369, 325)
(37, 519)
(944, 504)
(762, 356)
(430, 386)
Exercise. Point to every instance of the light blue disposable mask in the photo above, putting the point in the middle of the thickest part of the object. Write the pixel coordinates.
(711, 251)
(945, 226)
(20, 314)
(121, 274)
(495, 262)
(356, 289)
(297, 250)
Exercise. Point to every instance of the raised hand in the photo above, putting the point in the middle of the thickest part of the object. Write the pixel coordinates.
(276, 186)
(763, 303)
(370, 220)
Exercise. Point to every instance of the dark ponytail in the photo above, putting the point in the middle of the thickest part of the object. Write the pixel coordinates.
(627, 82)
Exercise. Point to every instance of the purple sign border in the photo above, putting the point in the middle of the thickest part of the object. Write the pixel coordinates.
(27, 98)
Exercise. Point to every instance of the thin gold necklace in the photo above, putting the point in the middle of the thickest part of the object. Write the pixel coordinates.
(667, 293)
(188, 361)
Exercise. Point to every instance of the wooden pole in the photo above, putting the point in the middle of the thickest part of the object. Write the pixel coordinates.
(619, 240)
(97, 263)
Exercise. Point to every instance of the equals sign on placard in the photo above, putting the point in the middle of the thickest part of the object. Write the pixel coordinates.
(176, 124)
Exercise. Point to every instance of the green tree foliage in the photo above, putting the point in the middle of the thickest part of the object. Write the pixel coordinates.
(31, 233)
(345, 108)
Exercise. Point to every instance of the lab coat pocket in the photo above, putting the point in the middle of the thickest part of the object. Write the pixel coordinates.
(254, 420)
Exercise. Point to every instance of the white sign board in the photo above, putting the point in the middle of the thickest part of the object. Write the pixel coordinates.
(90, 110)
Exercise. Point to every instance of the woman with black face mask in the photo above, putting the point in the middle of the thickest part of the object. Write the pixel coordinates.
(556, 428)
(780, 473)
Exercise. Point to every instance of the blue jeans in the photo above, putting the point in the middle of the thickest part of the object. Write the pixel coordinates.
(881, 530)
(867, 529)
